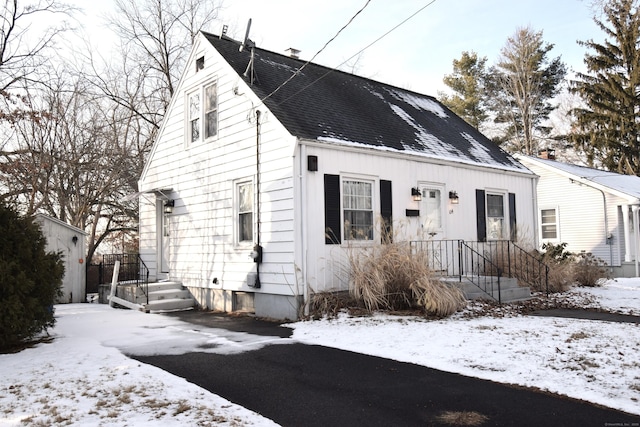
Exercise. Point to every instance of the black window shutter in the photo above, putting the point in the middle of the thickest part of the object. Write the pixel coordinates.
(512, 217)
(481, 220)
(332, 227)
(386, 210)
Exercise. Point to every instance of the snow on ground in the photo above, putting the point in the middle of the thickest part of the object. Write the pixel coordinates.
(591, 360)
(81, 377)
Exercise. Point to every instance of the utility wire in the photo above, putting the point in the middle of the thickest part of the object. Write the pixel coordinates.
(318, 52)
(353, 56)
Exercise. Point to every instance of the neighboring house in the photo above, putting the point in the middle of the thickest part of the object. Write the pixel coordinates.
(262, 157)
(589, 209)
(70, 241)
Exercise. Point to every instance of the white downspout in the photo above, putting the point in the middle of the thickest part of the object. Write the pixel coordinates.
(636, 235)
(627, 233)
(303, 240)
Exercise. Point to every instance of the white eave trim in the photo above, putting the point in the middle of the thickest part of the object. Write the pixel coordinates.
(162, 193)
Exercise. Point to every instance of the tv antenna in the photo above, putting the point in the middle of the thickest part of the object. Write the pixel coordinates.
(248, 43)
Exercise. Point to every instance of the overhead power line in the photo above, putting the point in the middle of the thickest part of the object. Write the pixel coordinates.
(318, 52)
(351, 57)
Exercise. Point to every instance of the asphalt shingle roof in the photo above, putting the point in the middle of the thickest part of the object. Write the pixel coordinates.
(329, 105)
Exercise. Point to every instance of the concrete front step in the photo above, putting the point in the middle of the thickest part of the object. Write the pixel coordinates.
(162, 286)
(509, 289)
(165, 305)
(169, 296)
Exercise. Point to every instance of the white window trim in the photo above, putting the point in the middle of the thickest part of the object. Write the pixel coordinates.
(236, 213)
(200, 89)
(557, 210)
(375, 208)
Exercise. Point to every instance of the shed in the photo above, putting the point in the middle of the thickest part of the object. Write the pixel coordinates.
(71, 242)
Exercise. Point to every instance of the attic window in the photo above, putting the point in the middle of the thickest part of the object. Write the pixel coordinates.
(201, 113)
(199, 64)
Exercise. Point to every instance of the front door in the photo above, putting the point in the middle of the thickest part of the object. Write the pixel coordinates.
(431, 211)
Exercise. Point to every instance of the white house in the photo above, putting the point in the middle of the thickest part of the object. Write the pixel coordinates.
(70, 241)
(267, 170)
(591, 210)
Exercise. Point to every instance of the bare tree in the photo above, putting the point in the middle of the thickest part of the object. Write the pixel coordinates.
(76, 162)
(155, 38)
(24, 50)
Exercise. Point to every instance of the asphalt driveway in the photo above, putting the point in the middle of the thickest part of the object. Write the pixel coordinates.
(308, 385)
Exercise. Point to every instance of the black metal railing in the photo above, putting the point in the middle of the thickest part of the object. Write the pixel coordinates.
(484, 263)
(133, 270)
(516, 262)
(480, 270)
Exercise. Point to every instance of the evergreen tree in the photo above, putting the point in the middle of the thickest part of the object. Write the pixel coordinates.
(521, 87)
(607, 129)
(467, 82)
(30, 279)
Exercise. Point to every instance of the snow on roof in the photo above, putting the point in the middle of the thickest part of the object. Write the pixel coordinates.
(328, 105)
(626, 184)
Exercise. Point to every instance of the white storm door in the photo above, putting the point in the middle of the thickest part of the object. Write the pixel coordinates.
(431, 211)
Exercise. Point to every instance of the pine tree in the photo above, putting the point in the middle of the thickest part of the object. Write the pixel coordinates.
(521, 87)
(467, 82)
(30, 279)
(607, 128)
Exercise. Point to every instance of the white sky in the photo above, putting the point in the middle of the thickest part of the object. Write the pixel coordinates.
(82, 376)
(416, 55)
(420, 52)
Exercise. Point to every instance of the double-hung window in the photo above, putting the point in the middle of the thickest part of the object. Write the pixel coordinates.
(495, 217)
(245, 211)
(357, 205)
(202, 113)
(549, 224)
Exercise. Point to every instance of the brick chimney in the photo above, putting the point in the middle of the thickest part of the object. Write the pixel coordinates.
(547, 153)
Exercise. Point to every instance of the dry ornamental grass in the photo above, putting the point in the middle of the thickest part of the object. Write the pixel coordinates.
(390, 277)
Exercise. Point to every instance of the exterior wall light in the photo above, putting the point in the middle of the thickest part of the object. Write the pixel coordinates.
(416, 194)
(453, 197)
(168, 206)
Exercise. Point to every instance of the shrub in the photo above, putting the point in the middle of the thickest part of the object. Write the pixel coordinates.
(30, 279)
(390, 277)
(561, 266)
(589, 270)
